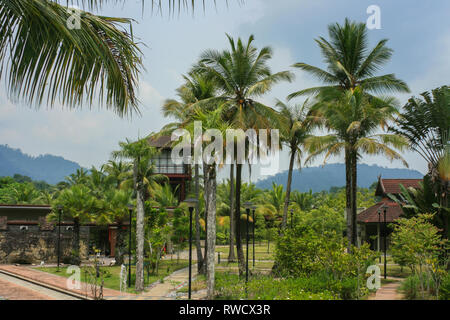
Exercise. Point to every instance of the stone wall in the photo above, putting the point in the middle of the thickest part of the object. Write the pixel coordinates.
(36, 243)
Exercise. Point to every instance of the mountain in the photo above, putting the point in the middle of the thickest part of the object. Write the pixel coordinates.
(51, 169)
(333, 175)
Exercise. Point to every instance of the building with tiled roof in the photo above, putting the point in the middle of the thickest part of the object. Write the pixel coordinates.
(371, 220)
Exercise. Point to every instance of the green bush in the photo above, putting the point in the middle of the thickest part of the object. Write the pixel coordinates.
(410, 287)
(267, 288)
(222, 238)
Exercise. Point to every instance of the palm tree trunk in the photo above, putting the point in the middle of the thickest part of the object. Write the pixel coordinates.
(197, 219)
(211, 231)
(237, 217)
(354, 200)
(139, 286)
(348, 196)
(202, 270)
(231, 256)
(288, 190)
(120, 249)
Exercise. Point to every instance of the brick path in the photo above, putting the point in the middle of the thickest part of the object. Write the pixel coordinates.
(55, 280)
(11, 291)
(389, 291)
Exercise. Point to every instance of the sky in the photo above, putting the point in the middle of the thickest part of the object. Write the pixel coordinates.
(418, 31)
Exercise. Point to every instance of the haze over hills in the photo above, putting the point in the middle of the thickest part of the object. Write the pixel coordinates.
(333, 175)
(49, 168)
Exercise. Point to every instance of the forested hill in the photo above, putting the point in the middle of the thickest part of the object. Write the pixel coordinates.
(333, 175)
(51, 169)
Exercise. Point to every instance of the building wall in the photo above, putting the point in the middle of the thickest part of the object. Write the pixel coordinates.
(38, 243)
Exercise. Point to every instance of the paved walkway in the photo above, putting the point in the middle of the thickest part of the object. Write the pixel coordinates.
(389, 291)
(55, 280)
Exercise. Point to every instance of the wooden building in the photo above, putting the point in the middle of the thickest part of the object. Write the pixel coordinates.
(370, 229)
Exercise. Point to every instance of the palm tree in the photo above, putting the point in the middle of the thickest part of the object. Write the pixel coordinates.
(195, 89)
(45, 61)
(425, 123)
(353, 118)
(273, 201)
(144, 177)
(117, 171)
(241, 75)
(351, 64)
(211, 120)
(297, 126)
(79, 204)
(79, 177)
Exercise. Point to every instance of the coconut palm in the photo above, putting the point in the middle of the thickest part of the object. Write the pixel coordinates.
(144, 178)
(297, 126)
(350, 63)
(117, 171)
(79, 204)
(242, 75)
(195, 89)
(353, 119)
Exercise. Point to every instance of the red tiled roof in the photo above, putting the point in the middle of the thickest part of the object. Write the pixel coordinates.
(370, 215)
(393, 185)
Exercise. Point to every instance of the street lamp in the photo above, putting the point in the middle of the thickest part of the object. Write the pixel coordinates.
(385, 207)
(59, 234)
(191, 203)
(130, 210)
(379, 234)
(254, 225)
(247, 206)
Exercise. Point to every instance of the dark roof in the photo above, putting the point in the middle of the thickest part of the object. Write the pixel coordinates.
(160, 142)
(386, 186)
(370, 215)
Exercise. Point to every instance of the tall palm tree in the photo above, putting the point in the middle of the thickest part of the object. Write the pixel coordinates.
(195, 89)
(144, 177)
(297, 127)
(351, 64)
(354, 118)
(242, 75)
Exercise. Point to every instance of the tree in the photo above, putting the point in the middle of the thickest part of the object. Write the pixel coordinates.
(241, 75)
(296, 128)
(351, 64)
(196, 88)
(78, 204)
(117, 171)
(144, 177)
(354, 118)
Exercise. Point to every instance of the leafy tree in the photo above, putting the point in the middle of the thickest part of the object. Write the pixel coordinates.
(144, 177)
(297, 126)
(354, 118)
(79, 204)
(242, 75)
(351, 65)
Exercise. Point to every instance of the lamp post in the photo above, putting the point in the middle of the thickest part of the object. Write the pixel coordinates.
(130, 210)
(191, 203)
(379, 234)
(247, 206)
(385, 207)
(59, 234)
(254, 225)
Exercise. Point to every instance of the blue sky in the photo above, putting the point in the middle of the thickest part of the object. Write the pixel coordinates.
(418, 31)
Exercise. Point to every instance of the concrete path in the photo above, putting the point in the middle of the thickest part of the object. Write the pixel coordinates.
(389, 291)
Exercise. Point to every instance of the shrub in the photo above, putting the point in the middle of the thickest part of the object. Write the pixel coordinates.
(444, 290)
(410, 287)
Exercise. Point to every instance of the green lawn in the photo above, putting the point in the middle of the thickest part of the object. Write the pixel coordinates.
(112, 274)
(261, 251)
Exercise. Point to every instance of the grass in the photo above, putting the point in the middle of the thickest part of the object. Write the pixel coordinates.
(261, 252)
(395, 271)
(112, 274)
(198, 284)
